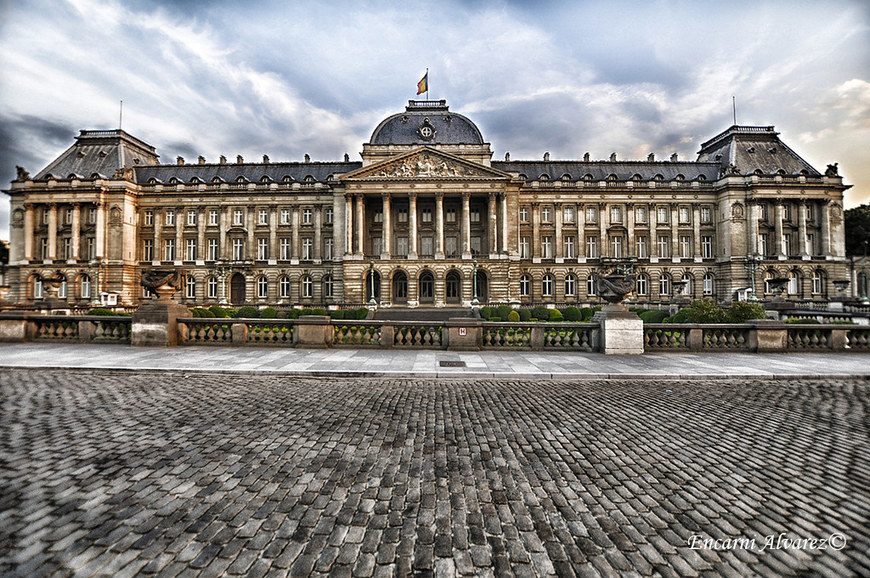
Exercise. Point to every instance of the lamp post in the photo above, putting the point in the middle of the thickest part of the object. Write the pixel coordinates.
(94, 270)
(864, 299)
(474, 301)
(751, 264)
(220, 270)
(372, 302)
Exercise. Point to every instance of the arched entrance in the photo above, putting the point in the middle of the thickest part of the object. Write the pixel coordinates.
(237, 289)
(481, 286)
(400, 287)
(373, 281)
(453, 287)
(427, 288)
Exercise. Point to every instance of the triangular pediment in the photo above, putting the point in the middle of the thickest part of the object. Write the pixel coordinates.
(425, 164)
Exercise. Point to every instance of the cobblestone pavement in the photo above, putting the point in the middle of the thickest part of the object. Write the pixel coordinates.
(194, 474)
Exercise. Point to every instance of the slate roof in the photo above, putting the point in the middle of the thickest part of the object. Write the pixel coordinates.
(404, 128)
(754, 148)
(600, 170)
(100, 152)
(251, 172)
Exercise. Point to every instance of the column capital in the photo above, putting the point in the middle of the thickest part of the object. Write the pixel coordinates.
(76, 204)
(466, 195)
(412, 195)
(386, 194)
(439, 196)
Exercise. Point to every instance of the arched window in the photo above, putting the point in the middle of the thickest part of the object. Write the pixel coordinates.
(793, 283)
(590, 286)
(85, 286)
(687, 288)
(708, 284)
(664, 285)
(547, 285)
(570, 285)
(190, 287)
(211, 286)
(818, 282)
(307, 287)
(262, 287)
(327, 287)
(642, 285)
(284, 287)
(767, 277)
(38, 287)
(525, 286)
(61, 292)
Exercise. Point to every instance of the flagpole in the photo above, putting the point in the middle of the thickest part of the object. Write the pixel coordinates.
(427, 83)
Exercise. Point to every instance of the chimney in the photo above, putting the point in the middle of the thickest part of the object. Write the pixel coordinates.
(586, 158)
(201, 160)
(179, 160)
(546, 157)
(674, 158)
(265, 159)
(651, 158)
(239, 159)
(613, 157)
(307, 158)
(223, 160)
(507, 157)
(346, 158)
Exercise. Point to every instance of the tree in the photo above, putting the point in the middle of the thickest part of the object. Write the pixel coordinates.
(857, 230)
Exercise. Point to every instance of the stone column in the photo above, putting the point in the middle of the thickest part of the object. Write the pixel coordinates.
(412, 210)
(295, 241)
(536, 232)
(360, 224)
(802, 231)
(386, 207)
(653, 233)
(675, 232)
(158, 236)
(28, 231)
(101, 229)
(348, 224)
(504, 224)
(580, 246)
(753, 228)
(696, 233)
(466, 225)
(439, 213)
(631, 248)
(603, 221)
(825, 221)
(224, 243)
(318, 233)
(492, 233)
(179, 234)
(52, 231)
(201, 249)
(560, 246)
(778, 244)
(251, 248)
(76, 230)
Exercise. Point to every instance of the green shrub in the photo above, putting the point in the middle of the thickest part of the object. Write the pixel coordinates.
(337, 314)
(503, 311)
(206, 313)
(555, 315)
(247, 312)
(219, 312)
(653, 316)
(361, 313)
(269, 313)
(586, 314)
(572, 314)
(281, 315)
(741, 311)
(315, 311)
(486, 312)
(540, 312)
(101, 311)
(513, 317)
(798, 320)
(525, 315)
(196, 312)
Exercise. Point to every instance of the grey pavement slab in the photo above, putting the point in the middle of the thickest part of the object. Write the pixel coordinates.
(427, 363)
(176, 472)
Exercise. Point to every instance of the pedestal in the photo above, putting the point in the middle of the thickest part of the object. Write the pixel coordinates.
(156, 323)
(621, 331)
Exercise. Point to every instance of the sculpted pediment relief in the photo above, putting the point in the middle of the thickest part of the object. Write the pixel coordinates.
(425, 164)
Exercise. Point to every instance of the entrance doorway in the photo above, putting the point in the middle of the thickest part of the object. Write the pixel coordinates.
(400, 287)
(453, 287)
(237, 289)
(481, 286)
(427, 288)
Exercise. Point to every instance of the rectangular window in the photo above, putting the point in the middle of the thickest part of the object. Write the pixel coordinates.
(450, 247)
(640, 215)
(568, 215)
(284, 244)
(708, 284)
(817, 283)
(238, 249)
(262, 249)
(149, 218)
(616, 246)
(591, 214)
(524, 248)
(45, 213)
(664, 247)
(762, 244)
(212, 288)
(684, 215)
(524, 214)
(547, 247)
(190, 288)
(786, 212)
(810, 212)
(662, 215)
(591, 247)
(706, 214)
(285, 216)
(377, 246)
(450, 216)
(92, 216)
(378, 217)
(67, 248)
(475, 245)
(91, 243)
(328, 215)
(238, 215)
(67, 216)
(170, 217)
(786, 243)
(811, 244)
(307, 248)
(685, 246)
(707, 247)
(426, 215)
(545, 214)
(615, 214)
(642, 247)
(569, 247)
(402, 216)
(306, 216)
(426, 249)
(212, 249)
(402, 246)
(327, 248)
(263, 217)
(213, 217)
(475, 215)
(43, 248)
(190, 249)
(191, 218)
(169, 250)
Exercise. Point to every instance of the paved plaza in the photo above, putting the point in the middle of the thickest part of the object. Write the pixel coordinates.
(197, 473)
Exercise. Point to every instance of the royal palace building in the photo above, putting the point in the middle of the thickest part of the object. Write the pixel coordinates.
(427, 218)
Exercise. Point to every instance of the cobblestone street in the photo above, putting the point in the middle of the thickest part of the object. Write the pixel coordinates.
(203, 474)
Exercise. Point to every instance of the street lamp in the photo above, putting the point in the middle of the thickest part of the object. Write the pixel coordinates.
(94, 270)
(751, 264)
(864, 299)
(221, 269)
(474, 301)
(372, 302)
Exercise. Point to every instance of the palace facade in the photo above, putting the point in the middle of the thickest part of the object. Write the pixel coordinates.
(426, 219)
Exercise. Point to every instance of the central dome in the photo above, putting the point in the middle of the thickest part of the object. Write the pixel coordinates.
(426, 122)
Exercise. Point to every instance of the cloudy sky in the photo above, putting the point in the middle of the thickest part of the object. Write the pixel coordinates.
(287, 78)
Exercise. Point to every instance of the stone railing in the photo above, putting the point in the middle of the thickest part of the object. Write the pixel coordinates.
(78, 328)
(567, 336)
(752, 337)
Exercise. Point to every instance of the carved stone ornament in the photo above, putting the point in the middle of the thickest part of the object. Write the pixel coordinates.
(22, 174)
(115, 216)
(125, 173)
(424, 165)
(832, 171)
(164, 282)
(614, 288)
(737, 211)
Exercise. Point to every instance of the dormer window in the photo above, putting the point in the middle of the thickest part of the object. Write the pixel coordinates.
(173, 181)
(588, 177)
(636, 177)
(659, 177)
(750, 150)
(566, 177)
(544, 177)
(680, 178)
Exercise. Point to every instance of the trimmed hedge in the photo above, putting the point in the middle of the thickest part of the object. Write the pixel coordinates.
(555, 315)
(248, 312)
(653, 316)
(513, 317)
